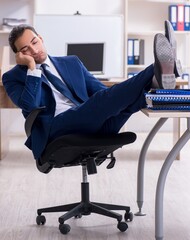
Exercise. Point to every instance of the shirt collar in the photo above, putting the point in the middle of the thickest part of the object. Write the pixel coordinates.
(47, 62)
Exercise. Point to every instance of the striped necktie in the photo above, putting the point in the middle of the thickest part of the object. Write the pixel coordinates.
(59, 85)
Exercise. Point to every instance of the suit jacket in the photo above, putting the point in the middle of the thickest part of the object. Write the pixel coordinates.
(29, 92)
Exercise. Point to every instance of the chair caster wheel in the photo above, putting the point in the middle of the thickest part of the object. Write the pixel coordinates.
(128, 216)
(40, 220)
(64, 228)
(122, 226)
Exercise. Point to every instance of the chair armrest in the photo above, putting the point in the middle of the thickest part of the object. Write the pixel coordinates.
(31, 118)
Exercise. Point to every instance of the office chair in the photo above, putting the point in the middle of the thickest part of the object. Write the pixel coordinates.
(88, 151)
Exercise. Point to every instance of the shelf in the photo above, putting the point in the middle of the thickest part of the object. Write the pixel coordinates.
(4, 32)
(144, 66)
(150, 33)
(163, 1)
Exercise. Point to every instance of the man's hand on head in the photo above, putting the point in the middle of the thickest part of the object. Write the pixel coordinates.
(27, 60)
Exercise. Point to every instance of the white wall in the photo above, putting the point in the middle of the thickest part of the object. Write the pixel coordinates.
(86, 7)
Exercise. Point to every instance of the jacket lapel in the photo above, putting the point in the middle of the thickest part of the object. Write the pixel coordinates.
(75, 85)
(62, 70)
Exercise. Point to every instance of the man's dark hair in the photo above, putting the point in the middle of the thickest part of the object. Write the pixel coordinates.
(17, 32)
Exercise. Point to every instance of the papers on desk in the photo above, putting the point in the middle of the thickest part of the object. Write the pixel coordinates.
(166, 99)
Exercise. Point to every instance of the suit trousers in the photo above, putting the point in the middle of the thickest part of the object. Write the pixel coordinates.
(107, 110)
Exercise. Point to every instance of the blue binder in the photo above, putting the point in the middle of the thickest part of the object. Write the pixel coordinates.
(130, 53)
(173, 16)
(187, 17)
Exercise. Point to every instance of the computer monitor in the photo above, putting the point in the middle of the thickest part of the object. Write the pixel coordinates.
(91, 55)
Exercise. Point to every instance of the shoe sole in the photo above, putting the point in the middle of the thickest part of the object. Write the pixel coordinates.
(169, 33)
(164, 60)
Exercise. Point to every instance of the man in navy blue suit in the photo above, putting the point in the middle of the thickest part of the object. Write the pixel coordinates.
(93, 108)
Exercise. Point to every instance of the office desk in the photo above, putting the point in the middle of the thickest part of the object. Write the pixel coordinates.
(5, 106)
(179, 82)
(163, 116)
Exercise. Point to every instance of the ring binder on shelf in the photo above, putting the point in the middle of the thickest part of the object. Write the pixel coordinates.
(187, 17)
(136, 51)
(180, 17)
(173, 16)
(130, 53)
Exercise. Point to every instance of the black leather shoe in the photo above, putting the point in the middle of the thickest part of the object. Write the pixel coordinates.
(170, 35)
(164, 62)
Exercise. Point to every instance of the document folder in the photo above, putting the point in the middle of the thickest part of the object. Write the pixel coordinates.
(141, 57)
(180, 17)
(136, 51)
(130, 52)
(173, 16)
(187, 17)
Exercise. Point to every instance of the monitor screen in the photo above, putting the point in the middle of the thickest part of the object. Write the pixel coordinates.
(91, 55)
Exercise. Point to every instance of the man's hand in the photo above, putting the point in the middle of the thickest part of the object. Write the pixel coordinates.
(27, 60)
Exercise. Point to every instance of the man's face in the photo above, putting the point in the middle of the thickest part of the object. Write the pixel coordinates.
(31, 44)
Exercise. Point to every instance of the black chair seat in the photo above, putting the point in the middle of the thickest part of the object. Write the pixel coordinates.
(69, 150)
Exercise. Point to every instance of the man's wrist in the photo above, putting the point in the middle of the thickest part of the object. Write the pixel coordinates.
(31, 66)
(35, 73)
